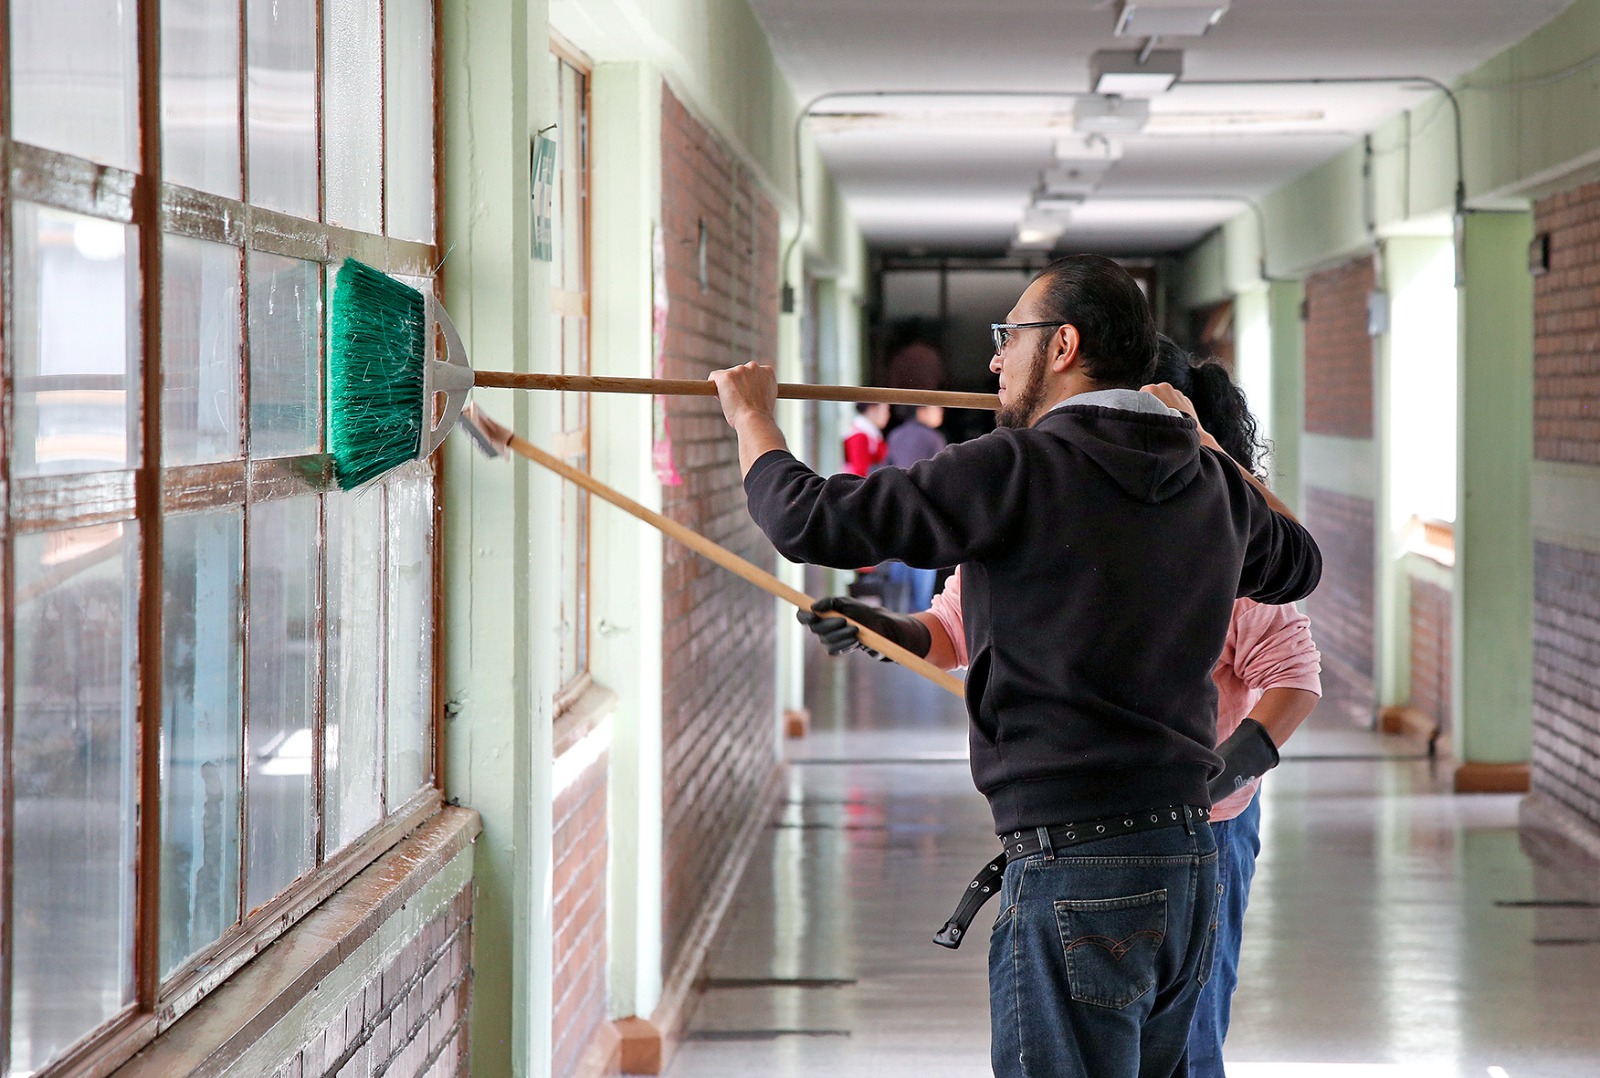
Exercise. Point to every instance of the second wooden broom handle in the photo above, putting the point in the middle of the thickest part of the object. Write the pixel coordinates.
(582, 383)
(729, 560)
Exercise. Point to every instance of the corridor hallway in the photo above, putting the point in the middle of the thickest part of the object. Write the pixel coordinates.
(1394, 929)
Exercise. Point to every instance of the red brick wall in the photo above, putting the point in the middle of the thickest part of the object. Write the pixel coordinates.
(1342, 607)
(1566, 427)
(579, 887)
(1566, 311)
(1430, 650)
(1339, 351)
(1566, 678)
(719, 632)
(409, 1020)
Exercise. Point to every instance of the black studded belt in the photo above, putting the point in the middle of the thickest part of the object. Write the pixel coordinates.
(1020, 844)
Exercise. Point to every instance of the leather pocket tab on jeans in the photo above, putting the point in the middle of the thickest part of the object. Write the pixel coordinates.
(1112, 946)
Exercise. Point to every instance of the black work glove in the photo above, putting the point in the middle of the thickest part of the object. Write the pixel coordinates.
(1247, 753)
(839, 636)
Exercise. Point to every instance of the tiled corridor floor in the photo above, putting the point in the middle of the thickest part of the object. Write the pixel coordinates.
(1395, 930)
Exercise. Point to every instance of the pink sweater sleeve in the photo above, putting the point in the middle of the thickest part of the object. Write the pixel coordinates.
(1270, 647)
(947, 608)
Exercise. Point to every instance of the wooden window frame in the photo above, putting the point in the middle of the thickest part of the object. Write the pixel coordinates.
(576, 304)
(147, 492)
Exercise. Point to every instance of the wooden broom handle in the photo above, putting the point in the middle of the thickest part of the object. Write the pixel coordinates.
(730, 561)
(690, 387)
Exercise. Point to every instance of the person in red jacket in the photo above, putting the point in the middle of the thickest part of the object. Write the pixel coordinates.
(865, 447)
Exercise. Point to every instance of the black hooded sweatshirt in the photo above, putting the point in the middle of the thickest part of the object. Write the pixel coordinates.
(1101, 552)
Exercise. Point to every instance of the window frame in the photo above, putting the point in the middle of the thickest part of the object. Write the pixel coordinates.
(146, 492)
(565, 304)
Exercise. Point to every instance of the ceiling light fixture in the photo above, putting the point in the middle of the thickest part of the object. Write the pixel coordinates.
(1109, 114)
(1168, 18)
(1134, 72)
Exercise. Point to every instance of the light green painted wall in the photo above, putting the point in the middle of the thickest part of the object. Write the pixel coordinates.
(500, 606)
(1493, 625)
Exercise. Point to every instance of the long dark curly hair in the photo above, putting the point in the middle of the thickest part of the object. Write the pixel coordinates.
(1220, 404)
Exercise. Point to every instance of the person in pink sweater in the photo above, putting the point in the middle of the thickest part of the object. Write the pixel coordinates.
(1267, 682)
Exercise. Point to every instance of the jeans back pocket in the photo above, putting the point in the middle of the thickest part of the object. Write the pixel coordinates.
(1112, 946)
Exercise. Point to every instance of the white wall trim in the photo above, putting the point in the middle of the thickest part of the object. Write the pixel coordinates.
(1566, 504)
(1346, 466)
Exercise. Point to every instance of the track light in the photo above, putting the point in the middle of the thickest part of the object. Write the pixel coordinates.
(1168, 18)
(1135, 73)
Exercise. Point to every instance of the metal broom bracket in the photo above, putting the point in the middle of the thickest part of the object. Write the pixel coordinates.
(451, 377)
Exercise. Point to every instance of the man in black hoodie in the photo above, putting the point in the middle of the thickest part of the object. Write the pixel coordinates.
(1092, 628)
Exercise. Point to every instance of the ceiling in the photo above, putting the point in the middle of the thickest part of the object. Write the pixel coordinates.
(946, 173)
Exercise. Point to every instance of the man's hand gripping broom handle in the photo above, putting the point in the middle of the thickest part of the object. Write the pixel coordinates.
(703, 546)
(579, 383)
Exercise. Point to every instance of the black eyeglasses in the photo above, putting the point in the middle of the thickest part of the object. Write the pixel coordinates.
(1001, 331)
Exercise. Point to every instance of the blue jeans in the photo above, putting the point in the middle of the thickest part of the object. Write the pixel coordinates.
(910, 590)
(1238, 843)
(1098, 956)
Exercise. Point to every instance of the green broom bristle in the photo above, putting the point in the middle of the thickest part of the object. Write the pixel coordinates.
(376, 357)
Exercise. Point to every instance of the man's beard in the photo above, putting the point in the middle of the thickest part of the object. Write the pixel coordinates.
(1025, 400)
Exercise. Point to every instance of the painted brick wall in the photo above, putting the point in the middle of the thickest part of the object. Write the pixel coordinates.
(1342, 607)
(579, 887)
(411, 1020)
(1566, 678)
(1430, 650)
(1566, 311)
(719, 632)
(1339, 351)
(1566, 427)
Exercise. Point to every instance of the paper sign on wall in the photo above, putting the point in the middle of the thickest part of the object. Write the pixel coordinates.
(543, 170)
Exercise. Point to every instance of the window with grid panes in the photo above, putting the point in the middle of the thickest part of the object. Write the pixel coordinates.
(219, 673)
(570, 250)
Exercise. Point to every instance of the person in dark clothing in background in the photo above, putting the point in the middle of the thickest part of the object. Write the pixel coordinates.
(1092, 630)
(916, 438)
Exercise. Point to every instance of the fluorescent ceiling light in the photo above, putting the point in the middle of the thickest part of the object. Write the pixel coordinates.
(1110, 115)
(1054, 203)
(1168, 18)
(1133, 73)
(1303, 121)
(1038, 237)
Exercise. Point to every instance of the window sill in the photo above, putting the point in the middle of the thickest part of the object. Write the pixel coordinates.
(220, 1031)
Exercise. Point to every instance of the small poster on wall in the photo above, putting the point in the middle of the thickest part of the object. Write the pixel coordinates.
(543, 170)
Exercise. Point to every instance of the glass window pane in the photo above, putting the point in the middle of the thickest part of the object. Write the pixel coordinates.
(200, 96)
(201, 728)
(73, 746)
(408, 105)
(75, 78)
(76, 342)
(281, 89)
(283, 694)
(410, 677)
(353, 101)
(353, 747)
(285, 356)
(200, 334)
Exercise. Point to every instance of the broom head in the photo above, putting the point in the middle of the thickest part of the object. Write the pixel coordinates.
(377, 374)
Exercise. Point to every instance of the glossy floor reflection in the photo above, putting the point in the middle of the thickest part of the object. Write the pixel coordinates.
(1395, 930)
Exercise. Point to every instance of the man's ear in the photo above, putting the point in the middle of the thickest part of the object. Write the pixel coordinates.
(1064, 348)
